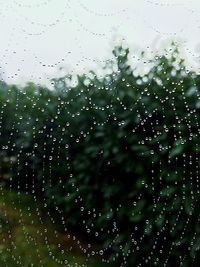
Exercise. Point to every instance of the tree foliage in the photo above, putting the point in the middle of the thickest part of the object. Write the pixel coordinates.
(115, 153)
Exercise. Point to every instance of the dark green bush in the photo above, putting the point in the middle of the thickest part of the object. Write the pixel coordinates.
(119, 155)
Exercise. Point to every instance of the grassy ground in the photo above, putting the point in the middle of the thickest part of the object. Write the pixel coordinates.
(29, 238)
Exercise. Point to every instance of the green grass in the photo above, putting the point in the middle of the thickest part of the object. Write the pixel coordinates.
(29, 238)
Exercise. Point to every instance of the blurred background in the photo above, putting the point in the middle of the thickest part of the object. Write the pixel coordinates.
(99, 133)
(40, 38)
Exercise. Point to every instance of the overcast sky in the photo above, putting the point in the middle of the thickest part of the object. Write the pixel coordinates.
(38, 37)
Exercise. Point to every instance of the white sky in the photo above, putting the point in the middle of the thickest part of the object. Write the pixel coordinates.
(37, 37)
